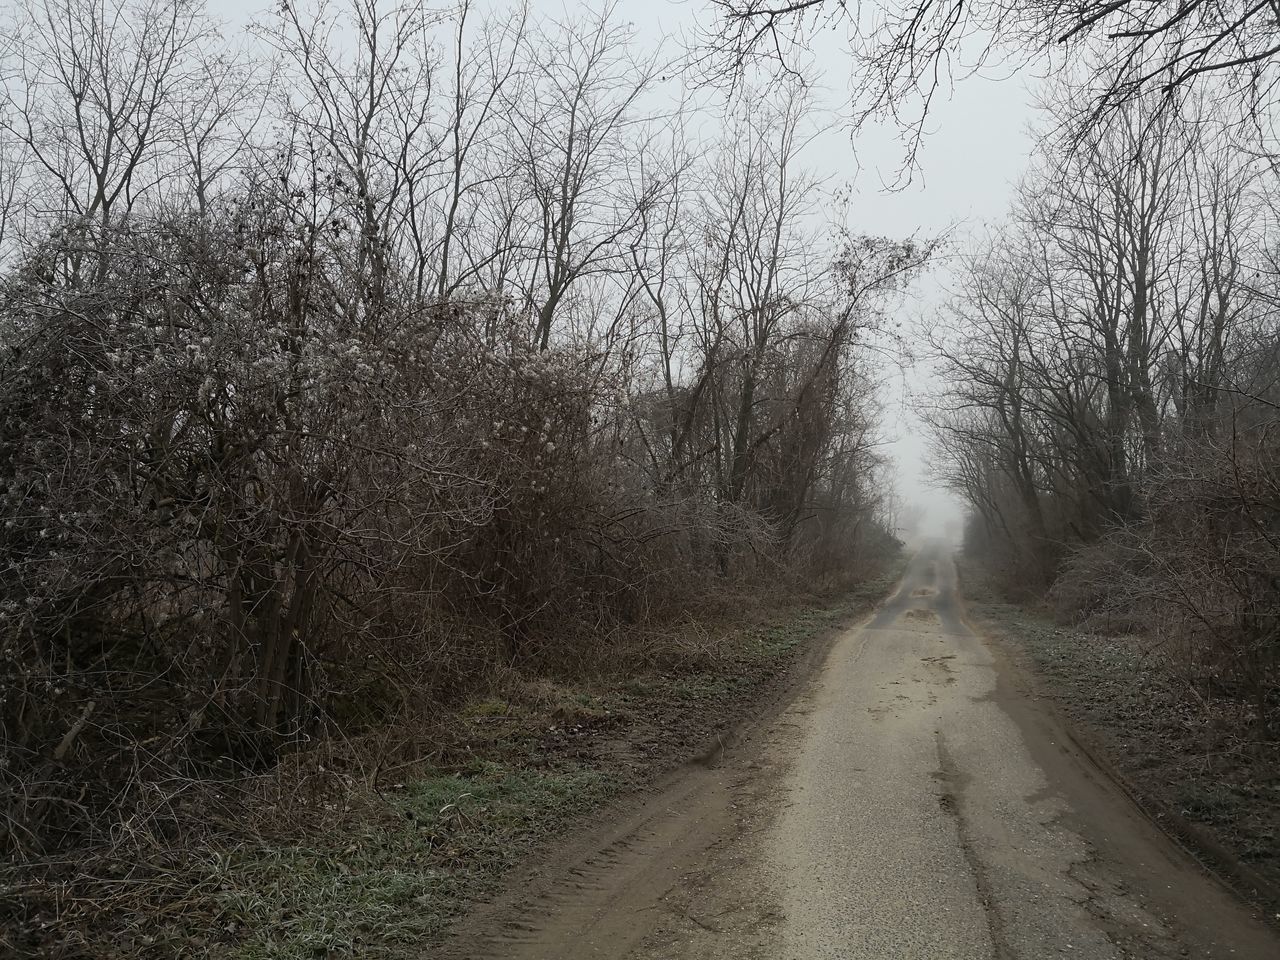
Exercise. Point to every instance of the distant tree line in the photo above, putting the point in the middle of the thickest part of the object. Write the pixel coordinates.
(340, 364)
(1111, 408)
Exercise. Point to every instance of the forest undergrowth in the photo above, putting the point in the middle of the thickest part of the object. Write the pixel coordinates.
(341, 851)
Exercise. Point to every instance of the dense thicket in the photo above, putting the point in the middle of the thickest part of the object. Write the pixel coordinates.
(408, 344)
(1113, 382)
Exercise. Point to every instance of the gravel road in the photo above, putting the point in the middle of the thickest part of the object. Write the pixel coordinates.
(914, 801)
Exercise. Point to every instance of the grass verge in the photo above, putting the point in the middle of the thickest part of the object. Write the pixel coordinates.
(401, 878)
(1188, 758)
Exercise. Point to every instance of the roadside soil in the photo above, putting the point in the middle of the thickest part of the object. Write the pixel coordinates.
(913, 799)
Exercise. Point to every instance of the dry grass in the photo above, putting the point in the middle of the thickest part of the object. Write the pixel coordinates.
(368, 847)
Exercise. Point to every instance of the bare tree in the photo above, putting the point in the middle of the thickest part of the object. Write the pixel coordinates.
(905, 53)
(341, 372)
(97, 99)
(364, 122)
(1093, 416)
(475, 167)
(573, 131)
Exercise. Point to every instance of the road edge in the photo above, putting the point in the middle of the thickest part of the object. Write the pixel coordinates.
(1211, 855)
(598, 828)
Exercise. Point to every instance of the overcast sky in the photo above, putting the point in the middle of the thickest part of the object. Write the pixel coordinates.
(976, 148)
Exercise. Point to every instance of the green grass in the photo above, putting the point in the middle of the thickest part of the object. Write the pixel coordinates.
(702, 686)
(784, 634)
(488, 707)
(781, 637)
(443, 840)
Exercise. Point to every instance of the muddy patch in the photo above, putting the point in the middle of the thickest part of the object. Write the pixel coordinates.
(921, 615)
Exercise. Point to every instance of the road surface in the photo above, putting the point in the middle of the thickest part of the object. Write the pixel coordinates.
(913, 802)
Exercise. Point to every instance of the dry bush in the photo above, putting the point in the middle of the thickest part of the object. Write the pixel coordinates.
(334, 405)
(1201, 575)
(241, 517)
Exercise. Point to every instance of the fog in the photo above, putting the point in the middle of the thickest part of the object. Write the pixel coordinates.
(975, 147)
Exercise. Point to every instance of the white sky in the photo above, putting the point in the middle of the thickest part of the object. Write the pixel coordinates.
(976, 148)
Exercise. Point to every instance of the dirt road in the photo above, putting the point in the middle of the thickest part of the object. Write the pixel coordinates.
(913, 802)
